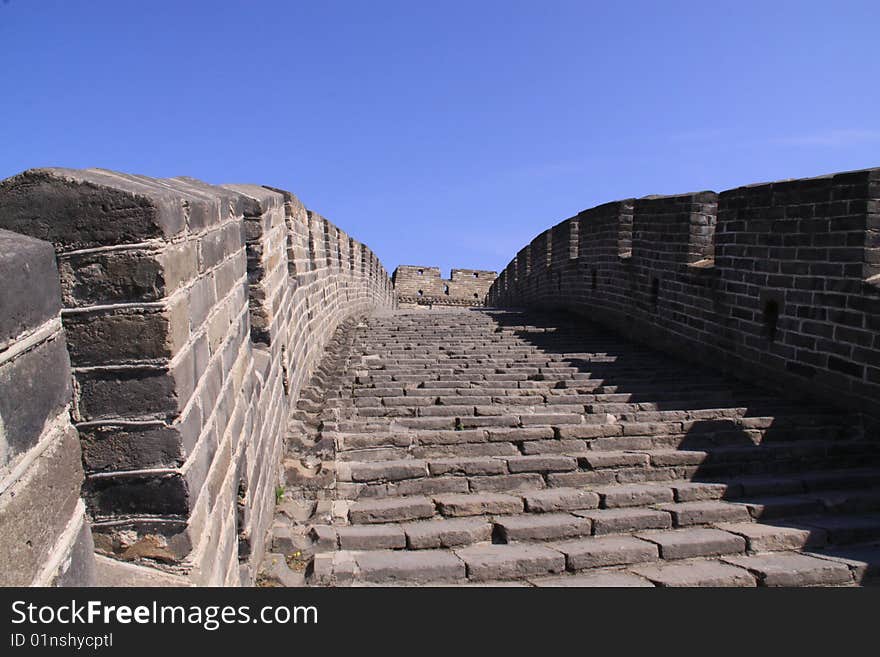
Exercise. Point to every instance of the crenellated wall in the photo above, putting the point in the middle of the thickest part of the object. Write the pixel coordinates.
(416, 285)
(193, 315)
(778, 282)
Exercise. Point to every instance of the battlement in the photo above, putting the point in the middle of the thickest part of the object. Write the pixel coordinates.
(192, 315)
(417, 285)
(777, 281)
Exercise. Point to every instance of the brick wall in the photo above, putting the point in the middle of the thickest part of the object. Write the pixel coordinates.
(416, 285)
(776, 282)
(44, 536)
(193, 315)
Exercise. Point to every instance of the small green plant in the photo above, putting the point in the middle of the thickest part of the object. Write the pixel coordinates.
(279, 494)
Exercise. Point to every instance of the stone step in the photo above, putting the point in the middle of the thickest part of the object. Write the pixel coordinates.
(487, 448)
(862, 560)
(495, 465)
(792, 569)
(694, 557)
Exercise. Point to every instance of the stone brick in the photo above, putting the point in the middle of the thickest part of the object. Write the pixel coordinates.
(863, 561)
(432, 486)
(607, 551)
(478, 504)
(467, 466)
(371, 537)
(553, 419)
(391, 510)
(560, 499)
(787, 569)
(130, 446)
(36, 508)
(84, 209)
(509, 483)
(540, 527)
(541, 463)
(695, 573)
(388, 470)
(701, 513)
(510, 561)
(165, 494)
(557, 446)
(587, 431)
(34, 388)
(30, 295)
(126, 335)
(446, 533)
(684, 544)
(520, 434)
(633, 495)
(423, 566)
(135, 392)
(697, 491)
(769, 538)
(616, 521)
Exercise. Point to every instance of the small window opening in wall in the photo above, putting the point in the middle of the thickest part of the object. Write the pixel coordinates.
(421, 294)
(594, 281)
(446, 290)
(476, 275)
(421, 271)
(476, 296)
(771, 319)
(655, 290)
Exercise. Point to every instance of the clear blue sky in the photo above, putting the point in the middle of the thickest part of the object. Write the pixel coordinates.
(444, 132)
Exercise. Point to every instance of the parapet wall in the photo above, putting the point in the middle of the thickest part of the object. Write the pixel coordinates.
(44, 536)
(193, 314)
(778, 282)
(416, 285)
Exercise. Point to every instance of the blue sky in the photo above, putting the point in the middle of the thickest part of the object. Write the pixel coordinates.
(449, 132)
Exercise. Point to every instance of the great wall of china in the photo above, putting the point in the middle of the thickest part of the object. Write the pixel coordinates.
(213, 385)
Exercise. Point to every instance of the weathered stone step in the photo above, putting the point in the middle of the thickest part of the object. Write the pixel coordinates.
(486, 448)
(691, 557)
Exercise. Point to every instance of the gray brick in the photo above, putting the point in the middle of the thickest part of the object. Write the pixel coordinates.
(615, 521)
(447, 533)
(628, 495)
(606, 551)
(34, 388)
(560, 499)
(467, 466)
(787, 569)
(386, 567)
(510, 561)
(540, 527)
(701, 513)
(388, 470)
(391, 510)
(695, 573)
(684, 544)
(371, 537)
(541, 463)
(768, 538)
(30, 294)
(478, 504)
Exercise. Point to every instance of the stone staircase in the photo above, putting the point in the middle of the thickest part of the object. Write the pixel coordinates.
(494, 447)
